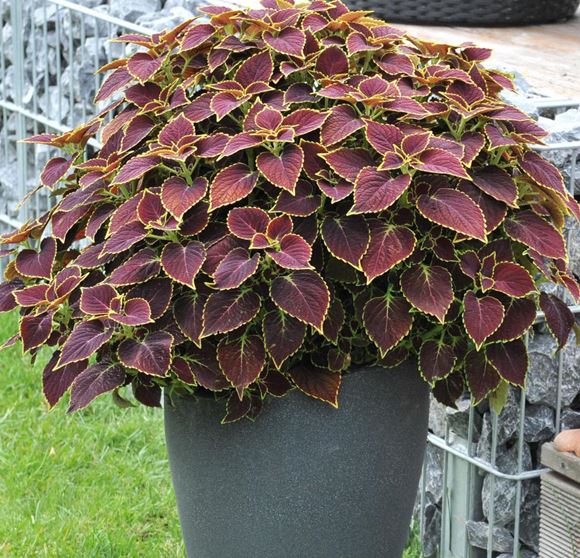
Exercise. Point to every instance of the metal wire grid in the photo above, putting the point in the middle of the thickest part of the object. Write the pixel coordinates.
(25, 112)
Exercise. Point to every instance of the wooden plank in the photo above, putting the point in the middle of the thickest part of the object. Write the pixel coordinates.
(564, 463)
(548, 56)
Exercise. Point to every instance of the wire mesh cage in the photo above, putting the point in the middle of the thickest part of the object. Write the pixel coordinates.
(480, 487)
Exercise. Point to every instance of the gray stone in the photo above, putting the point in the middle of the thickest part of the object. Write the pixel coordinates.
(570, 419)
(539, 423)
(574, 245)
(432, 531)
(530, 517)
(524, 553)
(167, 19)
(437, 418)
(507, 424)
(478, 532)
(131, 10)
(498, 493)
(433, 472)
(458, 420)
(542, 381)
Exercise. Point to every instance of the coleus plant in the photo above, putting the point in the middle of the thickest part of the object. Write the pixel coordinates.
(283, 194)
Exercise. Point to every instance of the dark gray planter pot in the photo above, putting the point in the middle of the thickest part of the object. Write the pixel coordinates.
(304, 480)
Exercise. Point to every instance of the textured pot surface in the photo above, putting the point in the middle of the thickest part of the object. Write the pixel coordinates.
(304, 480)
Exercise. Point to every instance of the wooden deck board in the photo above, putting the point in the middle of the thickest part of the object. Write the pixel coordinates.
(548, 56)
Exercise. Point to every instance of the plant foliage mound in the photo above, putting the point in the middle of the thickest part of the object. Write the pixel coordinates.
(283, 194)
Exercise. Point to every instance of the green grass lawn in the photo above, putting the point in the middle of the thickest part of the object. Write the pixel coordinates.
(92, 485)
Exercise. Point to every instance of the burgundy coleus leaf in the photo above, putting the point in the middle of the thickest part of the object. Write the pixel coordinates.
(241, 359)
(387, 320)
(342, 122)
(512, 279)
(389, 245)
(347, 163)
(182, 262)
(151, 355)
(38, 264)
(54, 171)
(157, 292)
(288, 41)
(533, 231)
(416, 143)
(235, 268)
(135, 312)
(135, 168)
(436, 361)
(140, 267)
(438, 161)
(559, 317)
(542, 172)
(429, 289)
(236, 408)
(257, 68)
(300, 204)
(283, 336)
(510, 359)
(178, 197)
(55, 383)
(29, 296)
(293, 252)
(98, 300)
(317, 382)
(150, 210)
(481, 316)
(383, 137)
(124, 238)
(7, 289)
(231, 185)
(304, 121)
(454, 210)
(519, 317)
(35, 330)
(225, 311)
(225, 102)
(279, 227)
(482, 376)
(143, 65)
(283, 170)
(94, 381)
(188, 313)
(197, 35)
(206, 370)
(303, 295)
(493, 211)
(276, 383)
(347, 238)
(92, 257)
(245, 222)
(113, 83)
(395, 64)
(375, 190)
(182, 369)
(334, 320)
(176, 131)
(85, 339)
(497, 183)
(332, 61)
